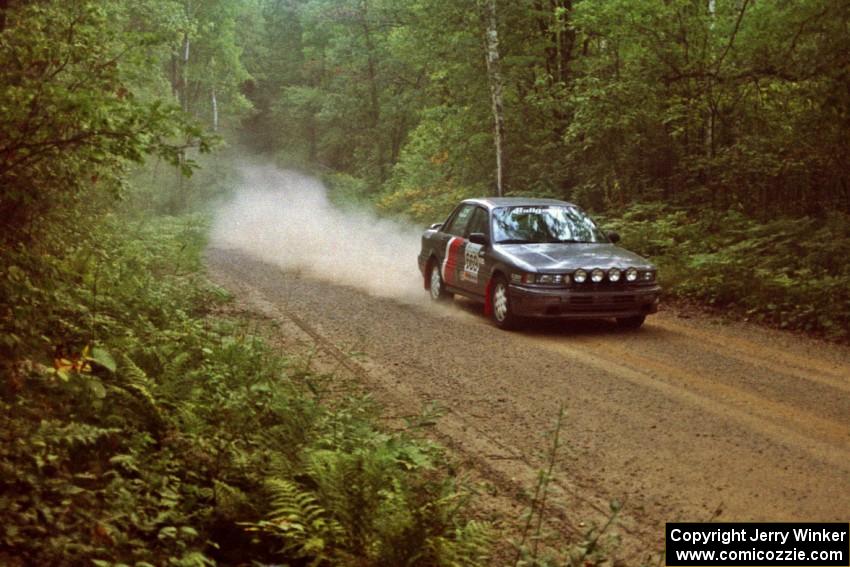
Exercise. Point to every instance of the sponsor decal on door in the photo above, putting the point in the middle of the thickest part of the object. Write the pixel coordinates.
(472, 261)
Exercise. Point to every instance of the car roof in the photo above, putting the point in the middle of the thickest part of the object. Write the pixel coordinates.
(495, 202)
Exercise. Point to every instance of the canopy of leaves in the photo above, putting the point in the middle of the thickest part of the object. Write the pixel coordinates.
(736, 103)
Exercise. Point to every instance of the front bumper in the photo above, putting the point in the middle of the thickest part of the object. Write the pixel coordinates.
(583, 304)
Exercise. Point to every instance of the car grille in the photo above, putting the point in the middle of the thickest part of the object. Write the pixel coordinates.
(612, 286)
(602, 302)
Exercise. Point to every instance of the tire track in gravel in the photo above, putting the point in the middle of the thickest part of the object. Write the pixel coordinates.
(782, 361)
(677, 419)
(823, 438)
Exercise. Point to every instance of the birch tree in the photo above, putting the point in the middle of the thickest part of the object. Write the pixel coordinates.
(494, 77)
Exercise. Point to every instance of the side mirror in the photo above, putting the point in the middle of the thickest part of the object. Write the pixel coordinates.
(614, 237)
(478, 238)
(435, 226)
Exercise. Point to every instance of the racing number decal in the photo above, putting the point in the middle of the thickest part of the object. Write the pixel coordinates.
(450, 260)
(471, 262)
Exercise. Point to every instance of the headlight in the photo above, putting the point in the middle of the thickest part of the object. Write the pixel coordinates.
(648, 276)
(580, 276)
(631, 275)
(551, 279)
(614, 274)
(597, 275)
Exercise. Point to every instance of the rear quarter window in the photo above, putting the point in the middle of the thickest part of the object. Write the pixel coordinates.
(457, 225)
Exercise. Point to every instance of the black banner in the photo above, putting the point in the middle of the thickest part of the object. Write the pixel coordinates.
(758, 544)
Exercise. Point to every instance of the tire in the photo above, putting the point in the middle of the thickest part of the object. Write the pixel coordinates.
(500, 305)
(631, 322)
(437, 288)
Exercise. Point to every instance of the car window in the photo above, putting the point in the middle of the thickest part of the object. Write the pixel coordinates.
(448, 222)
(478, 222)
(457, 225)
(550, 223)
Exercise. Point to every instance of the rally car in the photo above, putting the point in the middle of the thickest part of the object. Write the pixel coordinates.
(526, 258)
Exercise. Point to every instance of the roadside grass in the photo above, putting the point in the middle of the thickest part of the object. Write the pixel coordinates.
(537, 546)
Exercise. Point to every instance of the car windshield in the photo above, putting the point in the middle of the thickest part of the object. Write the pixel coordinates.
(548, 223)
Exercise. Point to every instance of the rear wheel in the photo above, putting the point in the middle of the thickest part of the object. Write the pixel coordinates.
(435, 285)
(500, 305)
(631, 322)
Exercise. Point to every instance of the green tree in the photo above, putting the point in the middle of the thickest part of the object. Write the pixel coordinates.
(71, 116)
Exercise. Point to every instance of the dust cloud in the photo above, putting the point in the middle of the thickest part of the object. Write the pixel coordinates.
(286, 219)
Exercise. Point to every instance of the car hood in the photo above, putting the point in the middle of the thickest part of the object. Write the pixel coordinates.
(570, 256)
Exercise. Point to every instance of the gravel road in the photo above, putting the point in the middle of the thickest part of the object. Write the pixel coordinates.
(679, 420)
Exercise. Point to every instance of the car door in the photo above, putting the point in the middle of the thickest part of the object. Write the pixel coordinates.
(453, 238)
(472, 275)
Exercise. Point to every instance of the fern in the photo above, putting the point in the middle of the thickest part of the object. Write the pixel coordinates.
(69, 434)
(136, 382)
(469, 547)
(304, 526)
(153, 460)
(230, 501)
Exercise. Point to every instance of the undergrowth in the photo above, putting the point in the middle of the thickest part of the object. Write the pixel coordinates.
(139, 428)
(790, 273)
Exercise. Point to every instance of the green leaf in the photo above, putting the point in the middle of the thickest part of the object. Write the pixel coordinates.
(103, 358)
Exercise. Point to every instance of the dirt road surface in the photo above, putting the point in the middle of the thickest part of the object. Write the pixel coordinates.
(678, 420)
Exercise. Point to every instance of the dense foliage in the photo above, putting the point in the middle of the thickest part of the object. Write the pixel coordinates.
(722, 103)
(71, 119)
(138, 427)
(791, 273)
(161, 433)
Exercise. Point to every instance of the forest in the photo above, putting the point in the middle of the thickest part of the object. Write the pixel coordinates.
(143, 423)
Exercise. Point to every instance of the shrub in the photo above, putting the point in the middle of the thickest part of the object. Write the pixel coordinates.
(792, 273)
(140, 428)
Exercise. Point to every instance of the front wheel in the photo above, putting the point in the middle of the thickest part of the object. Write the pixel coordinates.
(631, 322)
(500, 305)
(436, 287)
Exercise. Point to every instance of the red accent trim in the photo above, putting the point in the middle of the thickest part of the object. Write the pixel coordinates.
(488, 302)
(452, 257)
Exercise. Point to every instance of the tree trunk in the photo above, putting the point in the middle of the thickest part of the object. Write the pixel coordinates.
(4, 5)
(494, 77)
(184, 78)
(175, 78)
(566, 41)
(214, 111)
(374, 97)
